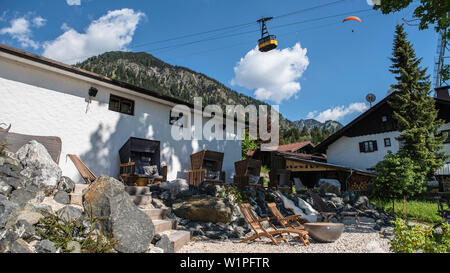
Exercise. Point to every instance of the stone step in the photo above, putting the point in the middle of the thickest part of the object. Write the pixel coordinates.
(79, 188)
(155, 214)
(137, 190)
(76, 199)
(141, 199)
(177, 239)
(162, 225)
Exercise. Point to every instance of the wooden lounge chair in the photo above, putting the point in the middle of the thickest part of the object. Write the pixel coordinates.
(289, 222)
(85, 172)
(327, 213)
(259, 229)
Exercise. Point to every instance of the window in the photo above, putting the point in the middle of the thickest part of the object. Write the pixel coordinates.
(121, 105)
(179, 121)
(447, 140)
(368, 146)
(383, 118)
(387, 142)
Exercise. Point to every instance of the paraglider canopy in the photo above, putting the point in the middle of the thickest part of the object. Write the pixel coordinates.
(352, 18)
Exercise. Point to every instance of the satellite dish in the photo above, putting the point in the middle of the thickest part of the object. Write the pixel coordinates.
(371, 98)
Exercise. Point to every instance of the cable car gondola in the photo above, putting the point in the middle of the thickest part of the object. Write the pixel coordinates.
(267, 41)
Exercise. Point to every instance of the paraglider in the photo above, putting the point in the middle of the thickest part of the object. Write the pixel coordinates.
(350, 18)
(267, 41)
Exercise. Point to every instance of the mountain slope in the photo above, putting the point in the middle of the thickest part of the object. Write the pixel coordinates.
(331, 125)
(146, 71)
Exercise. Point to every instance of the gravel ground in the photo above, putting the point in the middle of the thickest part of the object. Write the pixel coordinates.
(355, 239)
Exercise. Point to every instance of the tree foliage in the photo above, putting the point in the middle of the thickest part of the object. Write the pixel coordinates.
(429, 12)
(414, 109)
(248, 144)
(397, 176)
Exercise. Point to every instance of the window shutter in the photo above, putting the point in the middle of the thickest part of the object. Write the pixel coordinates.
(375, 147)
(361, 147)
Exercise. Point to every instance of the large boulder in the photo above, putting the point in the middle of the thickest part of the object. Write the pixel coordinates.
(203, 209)
(8, 213)
(38, 166)
(132, 228)
(329, 186)
(175, 187)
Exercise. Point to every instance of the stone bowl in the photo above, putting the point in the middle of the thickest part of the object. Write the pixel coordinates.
(324, 232)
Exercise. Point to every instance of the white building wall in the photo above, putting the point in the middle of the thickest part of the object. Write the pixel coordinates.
(345, 150)
(45, 103)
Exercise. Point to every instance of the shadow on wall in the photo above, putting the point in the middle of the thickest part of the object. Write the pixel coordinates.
(103, 157)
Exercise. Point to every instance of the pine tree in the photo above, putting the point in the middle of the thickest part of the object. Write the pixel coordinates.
(325, 132)
(414, 109)
(316, 135)
(304, 131)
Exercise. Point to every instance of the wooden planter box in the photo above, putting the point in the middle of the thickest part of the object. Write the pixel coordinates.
(248, 167)
(208, 160)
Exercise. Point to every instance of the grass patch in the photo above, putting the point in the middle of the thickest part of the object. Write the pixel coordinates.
(422, 211)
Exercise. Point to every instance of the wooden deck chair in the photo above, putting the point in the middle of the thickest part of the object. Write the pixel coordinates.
(85, 172)
(327, 213)
(289, 222)
(259, 229)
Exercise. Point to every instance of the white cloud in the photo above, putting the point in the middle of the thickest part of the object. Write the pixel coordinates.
(373, 2)
(73, 2)
(20, 30)
(113, 31)
(39, 21)
(274, 75)
(338, 112)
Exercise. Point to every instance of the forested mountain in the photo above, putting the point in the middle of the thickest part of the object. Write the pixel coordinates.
(146, 71)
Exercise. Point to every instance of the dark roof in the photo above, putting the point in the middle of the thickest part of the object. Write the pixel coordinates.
(321, 148)
(292, 147)
(82, 72)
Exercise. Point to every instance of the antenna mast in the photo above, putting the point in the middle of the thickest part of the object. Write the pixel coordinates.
(439, 61)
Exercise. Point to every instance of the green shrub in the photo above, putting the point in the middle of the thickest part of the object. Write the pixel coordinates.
(420, 238)
(62, 233)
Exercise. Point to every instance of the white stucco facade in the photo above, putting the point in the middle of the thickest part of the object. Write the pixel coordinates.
(345, 150)
(41, 100)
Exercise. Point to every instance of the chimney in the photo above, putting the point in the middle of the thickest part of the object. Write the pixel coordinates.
(442, 93)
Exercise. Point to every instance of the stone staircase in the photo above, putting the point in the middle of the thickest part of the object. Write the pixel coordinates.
(172, 240)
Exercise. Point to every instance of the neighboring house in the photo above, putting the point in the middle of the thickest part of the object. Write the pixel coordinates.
(39, 96)
(366, 140)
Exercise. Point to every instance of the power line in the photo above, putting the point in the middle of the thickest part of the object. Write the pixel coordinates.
(241, 33)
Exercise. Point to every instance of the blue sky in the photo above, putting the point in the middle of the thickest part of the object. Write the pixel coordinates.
(321, 69)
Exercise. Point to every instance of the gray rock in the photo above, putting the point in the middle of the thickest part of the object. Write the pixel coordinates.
(329, 185)
(39, 166)
(29, 215)
(22, 196)
(25, 230)
(14, 182)
(348, 197)
(175, 187)
(8, 213)
(362, 203)
(7, 239)
(132, 228)
(155, 250)
(165, 244)
(66, 184)
(203, 209)
(70, 213)
(45, 246)
(62, 197)
(20, 246)
(5, 189)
